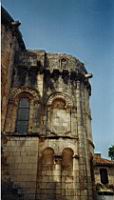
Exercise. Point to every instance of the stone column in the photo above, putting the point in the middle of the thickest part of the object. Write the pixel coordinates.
(86, 116)
(40, 83)
(10, 123)
(82, 149)
(57, 177)
(8, 53)
(76, 186)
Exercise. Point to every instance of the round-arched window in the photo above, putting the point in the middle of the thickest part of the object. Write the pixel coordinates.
(23, 116)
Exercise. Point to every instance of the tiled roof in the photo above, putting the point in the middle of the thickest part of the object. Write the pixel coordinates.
(102, 161)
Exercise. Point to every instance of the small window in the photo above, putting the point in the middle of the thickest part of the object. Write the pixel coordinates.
(23, 116)
(104, 176)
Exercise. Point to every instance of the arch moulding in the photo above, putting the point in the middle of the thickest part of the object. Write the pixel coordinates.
(58, 95)
(16, 93)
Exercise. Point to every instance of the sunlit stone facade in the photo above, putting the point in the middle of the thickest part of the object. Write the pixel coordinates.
(47, 138)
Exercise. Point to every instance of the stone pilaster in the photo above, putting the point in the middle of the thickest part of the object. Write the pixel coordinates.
(84, 174)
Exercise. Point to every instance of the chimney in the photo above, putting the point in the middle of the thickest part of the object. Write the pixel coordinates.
(97, 155)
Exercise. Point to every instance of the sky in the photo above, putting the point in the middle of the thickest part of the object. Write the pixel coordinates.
(84, 29)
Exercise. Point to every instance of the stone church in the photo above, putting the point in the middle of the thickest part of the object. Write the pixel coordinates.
(47, 146)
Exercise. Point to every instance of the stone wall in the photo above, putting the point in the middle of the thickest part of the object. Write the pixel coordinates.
(8, 50)
(22, 157)
(105, 197)
(35, 174)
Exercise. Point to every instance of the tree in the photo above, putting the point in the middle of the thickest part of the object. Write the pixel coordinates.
(111, 152)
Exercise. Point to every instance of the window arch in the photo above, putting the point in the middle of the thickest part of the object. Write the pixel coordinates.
(104, 176)
(23, 116)
(58, 95)
(59, 103)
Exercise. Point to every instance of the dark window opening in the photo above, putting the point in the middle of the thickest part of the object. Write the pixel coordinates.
(104, 176)
(23, 116)
(92, 170)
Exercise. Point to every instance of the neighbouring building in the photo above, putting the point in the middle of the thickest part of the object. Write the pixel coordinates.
(104, 177)
(47, 145)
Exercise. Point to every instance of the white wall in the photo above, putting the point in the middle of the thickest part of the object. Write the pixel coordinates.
(105, 197)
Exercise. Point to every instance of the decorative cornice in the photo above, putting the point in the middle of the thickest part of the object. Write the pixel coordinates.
(91, 143)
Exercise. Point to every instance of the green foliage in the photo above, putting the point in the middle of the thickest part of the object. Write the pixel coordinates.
(111, 152)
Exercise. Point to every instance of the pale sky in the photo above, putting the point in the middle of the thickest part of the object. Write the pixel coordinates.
(84, 29)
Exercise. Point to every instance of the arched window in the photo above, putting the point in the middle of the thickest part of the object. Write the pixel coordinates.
(46, 175)
(46, 165)
(104, 176)
(67, 173)
(23, 116)
(48, 157)
(67, 159)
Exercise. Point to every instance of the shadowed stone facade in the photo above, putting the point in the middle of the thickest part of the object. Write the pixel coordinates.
(46, 122)
(11, 42)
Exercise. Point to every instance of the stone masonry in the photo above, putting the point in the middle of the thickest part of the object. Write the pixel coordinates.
(53, 158)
